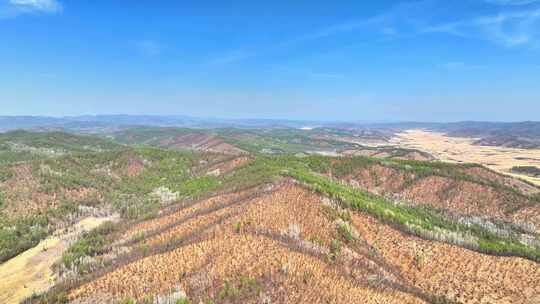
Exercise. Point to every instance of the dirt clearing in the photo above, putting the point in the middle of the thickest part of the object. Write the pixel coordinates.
(462, 150)
(30, 272)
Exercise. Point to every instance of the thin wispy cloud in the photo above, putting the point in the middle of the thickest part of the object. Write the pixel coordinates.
(382, 23)
(48, 6)
(14, 8)
(229, 57)
(149, 47)
(453, 65)
(47, 75)
(509, 29)
(307, 73)
(515, 23)
(390, 31)
(387, 24)
(337, 29)
(401, 19)
(459, 66)
(326, 75)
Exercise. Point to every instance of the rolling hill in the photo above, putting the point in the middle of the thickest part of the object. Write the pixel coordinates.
(150, 215)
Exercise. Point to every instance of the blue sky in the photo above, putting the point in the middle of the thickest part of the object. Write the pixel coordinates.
(422, 60)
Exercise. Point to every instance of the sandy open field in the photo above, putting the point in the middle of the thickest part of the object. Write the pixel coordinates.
(30, 272)
(455, 149)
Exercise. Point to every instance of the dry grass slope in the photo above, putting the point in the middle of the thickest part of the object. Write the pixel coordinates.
(285, 245)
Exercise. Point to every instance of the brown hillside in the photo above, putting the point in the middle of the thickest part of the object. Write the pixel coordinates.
(25, 193)
(280, 244)
(201, 142)
(512, 182)
(458, 196)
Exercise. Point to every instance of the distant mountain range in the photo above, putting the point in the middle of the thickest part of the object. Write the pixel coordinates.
(109, 121)
(509, 134)
(28, 122)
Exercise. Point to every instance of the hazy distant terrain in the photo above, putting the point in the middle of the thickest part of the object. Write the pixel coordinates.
(285, 136)
(516, 135)
(106, 122)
